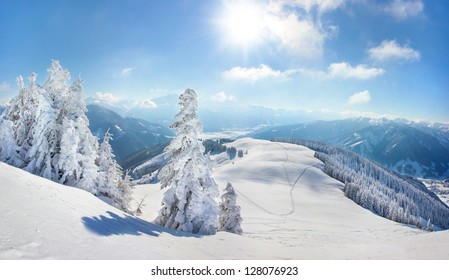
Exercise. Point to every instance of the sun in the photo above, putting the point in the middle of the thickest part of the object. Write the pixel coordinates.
(241, 23)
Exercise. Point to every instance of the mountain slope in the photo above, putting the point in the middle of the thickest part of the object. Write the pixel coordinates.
(405, 147)
(290, 209)
(129, 134)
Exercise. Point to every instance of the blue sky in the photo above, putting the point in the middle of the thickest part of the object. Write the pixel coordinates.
(342, 58)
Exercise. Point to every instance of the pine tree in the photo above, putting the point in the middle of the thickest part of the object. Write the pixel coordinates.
(109, 171)
(50, 130)
(189, 203)
(22, 113)
(8, 146)
(125, 198)
(110, 181)
(73, 111)
(44, 139)
(45, 131)
(230, 219)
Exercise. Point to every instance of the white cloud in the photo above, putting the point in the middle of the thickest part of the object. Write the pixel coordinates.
(4, 87)
(106, 97)
(298, 36)
(401, 9)
(147, 103)
(293, 26)
(326, 111)
(252, 74)
(335, 70)
(391, 50)
(360, 97)
(126, 72)
(321, 5)
(222, 97)
(296, 26)
(344, 70)
(308, 5)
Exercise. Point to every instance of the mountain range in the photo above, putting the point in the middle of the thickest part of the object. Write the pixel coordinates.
(409, 148)
(129, 134)
(417, 149)
(215, 116)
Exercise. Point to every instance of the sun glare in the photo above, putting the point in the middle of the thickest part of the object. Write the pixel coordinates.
(242, 23)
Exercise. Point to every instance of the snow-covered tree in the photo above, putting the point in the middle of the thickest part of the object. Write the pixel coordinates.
(44, 139)
(22, 113)
(67, 161)
(45, 131)
(73, 115)
(189, 204)
(51, 130)
(230, 219)
(125, 198)
(110, 181)
(8, 146)
(109, 171)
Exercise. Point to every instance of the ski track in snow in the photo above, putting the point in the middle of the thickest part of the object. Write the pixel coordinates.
(292, 186)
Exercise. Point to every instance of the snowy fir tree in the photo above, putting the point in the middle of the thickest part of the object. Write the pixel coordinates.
(189, 204)
(108, 169)
(22, 114)
(125, 198)
(110, 179)
(45, 131)
(73, 115)
(230, 219)
(8, 145)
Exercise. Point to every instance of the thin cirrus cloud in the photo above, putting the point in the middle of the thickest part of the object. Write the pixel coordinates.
(126, 72)
(391, 50)
(403, 9)
(360, 97)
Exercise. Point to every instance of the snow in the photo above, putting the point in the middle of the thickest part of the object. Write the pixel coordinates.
(231, 134)
(118, 128)
(409, 167)
(357, 143)
(439, 187)
(290, 210)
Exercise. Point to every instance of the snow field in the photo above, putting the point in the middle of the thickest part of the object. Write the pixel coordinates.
(290, 210)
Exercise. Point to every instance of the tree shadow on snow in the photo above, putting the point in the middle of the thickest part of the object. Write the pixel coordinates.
(127, 225)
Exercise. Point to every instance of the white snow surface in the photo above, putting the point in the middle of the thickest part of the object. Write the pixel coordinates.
(290, 210)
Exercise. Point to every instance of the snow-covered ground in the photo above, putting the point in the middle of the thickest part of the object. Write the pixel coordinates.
(439, 187)
(291, 210)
